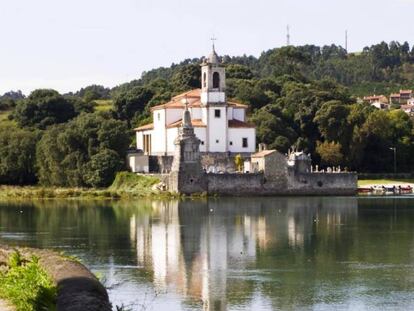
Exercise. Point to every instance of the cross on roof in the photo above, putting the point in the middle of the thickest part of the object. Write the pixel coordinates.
(213, 39)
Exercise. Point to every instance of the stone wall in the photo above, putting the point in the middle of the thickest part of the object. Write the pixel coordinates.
(222, 162)
(296, 184)
(322, 183)
(235, 184)
(160, 164)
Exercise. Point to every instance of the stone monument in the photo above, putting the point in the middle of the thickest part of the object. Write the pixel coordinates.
(187, 175)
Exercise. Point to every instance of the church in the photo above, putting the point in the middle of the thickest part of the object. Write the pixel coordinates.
(219, 124)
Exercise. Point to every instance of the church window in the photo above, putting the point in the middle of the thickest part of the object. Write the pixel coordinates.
(204, 80)
(202, 142)
(216, 80)
(217, 113)
(244, 142)
(231, 143)
(217, 141)
(159, 116)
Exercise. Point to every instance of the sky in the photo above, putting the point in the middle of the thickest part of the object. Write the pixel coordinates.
(69, 44)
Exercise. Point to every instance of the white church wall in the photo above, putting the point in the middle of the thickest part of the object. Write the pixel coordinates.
(236, 136)
(173, 115)
(200, 132)
(140, 143)
(239, 114)
(229, 113)
(196, 113)
(204, 113)
(213, 97)
(217, 129)
(172, 134)
(159, 132)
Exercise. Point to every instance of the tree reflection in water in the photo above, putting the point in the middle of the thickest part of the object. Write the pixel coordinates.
(262, 253)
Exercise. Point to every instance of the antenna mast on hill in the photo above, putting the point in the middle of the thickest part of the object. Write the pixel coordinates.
(346, 41)
(288, 35)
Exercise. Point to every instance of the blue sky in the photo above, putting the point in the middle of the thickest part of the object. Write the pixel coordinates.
(67, 44)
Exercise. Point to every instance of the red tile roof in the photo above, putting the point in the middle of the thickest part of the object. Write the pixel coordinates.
(145, 127)
(194, 122)
(194, 97)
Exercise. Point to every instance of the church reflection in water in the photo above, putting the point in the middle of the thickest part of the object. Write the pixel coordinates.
(205, 250)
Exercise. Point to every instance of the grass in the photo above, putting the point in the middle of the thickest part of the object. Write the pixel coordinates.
(126, 182)
(103, 104)
(26, 285)
(125, 185)
(4, 119)
(384, 182)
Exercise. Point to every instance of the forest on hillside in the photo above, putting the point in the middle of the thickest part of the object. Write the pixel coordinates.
(304, 96)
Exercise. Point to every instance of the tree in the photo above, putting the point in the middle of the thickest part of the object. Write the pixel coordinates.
(186, 78)
(68, 155)
(43, 108)
(330, 153)
(100, 171)
(17, 156)
(132, 102)
(238, 161)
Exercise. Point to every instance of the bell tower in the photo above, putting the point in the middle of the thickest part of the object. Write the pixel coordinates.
(213, 80)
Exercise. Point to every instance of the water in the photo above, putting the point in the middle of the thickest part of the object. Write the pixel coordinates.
(233, 254)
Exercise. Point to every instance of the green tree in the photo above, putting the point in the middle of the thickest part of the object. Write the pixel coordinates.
(65, 152)
(101, 169)
(17, 156)
(330, 153)
(43, 108)
(131, 103)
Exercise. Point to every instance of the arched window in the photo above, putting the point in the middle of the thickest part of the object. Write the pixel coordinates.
(204, 80)
(216, 80)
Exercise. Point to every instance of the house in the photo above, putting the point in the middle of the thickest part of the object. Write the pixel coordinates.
(402, 97)
(408, 109)
(381, 106)
(219, 124)
(376, 99)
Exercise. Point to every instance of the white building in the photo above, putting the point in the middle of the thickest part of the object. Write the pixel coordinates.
(219, 124)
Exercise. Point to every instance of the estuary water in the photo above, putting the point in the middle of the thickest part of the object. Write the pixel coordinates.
(332, 253)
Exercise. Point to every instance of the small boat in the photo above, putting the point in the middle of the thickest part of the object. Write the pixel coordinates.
(364, 190)
(405, 190)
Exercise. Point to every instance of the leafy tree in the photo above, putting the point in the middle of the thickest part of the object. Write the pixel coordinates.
(67, 155)
(43, 108)
(100, 171)
(187, 77)
(93, 92)
(132, 102)
(236, 71)
(330, 153)
(17, 156)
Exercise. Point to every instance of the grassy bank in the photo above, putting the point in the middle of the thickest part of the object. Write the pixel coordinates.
(125, 185)
(25, 284)
(365, 182)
